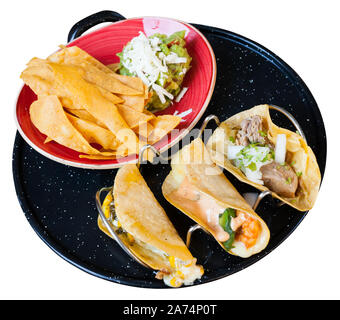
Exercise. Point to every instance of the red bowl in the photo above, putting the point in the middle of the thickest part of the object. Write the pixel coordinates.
(103, 44)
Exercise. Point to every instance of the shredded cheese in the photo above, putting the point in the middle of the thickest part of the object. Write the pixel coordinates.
(141, 59)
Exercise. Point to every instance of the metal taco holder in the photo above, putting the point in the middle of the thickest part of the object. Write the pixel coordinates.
(262, 194)
(108, 221)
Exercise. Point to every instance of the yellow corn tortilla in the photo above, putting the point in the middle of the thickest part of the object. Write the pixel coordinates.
(90, 98)
(162, 126)
(143, 130)
(132, 117)
(140, 214)
(38, 75)
(300, 156)
(84, 115)
(193, 163)
(135, 102)
(76, 56)
(94, 133)
(113, 66)
(49, 118)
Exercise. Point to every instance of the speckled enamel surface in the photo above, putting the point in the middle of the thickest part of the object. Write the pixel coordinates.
(58, 200)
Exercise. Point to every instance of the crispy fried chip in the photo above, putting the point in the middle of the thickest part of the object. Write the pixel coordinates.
(84, 115)
(132, 117)
(88, 96)
(144, 130)
(162, 126)
(98, 73)
(135, 102)
(48, 116)
(94, 133)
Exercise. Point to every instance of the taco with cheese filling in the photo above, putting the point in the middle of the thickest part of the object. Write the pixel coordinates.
(258, 152)
(143, 226)
(198, 188)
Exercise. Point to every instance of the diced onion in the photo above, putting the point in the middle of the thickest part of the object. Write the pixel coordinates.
(233, 151)
(280, 148)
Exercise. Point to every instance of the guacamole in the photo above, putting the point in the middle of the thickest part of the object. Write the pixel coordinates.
(161, 62)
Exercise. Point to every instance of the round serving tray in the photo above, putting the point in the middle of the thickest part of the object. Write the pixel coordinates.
(59, 201)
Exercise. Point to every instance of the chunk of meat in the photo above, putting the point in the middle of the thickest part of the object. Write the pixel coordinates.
(250, 132)
(280, 179)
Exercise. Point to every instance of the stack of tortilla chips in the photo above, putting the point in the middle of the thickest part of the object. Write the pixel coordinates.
(88, 107)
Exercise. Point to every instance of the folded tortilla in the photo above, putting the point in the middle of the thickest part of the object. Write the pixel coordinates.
(145, 228)
(302, 158)
(197, 187)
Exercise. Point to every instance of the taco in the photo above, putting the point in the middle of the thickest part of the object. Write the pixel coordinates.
(258, 152)
(198, 187)
(143, 226)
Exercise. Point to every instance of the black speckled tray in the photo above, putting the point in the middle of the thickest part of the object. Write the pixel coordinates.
(58, 201)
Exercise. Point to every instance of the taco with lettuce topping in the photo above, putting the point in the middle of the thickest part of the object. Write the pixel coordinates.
(258, 152)
(198, 188)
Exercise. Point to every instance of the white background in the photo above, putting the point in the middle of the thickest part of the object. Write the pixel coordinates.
(305, 34)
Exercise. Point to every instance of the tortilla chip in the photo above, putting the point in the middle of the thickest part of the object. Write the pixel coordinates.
(94, 133)
(85, 115)
(135, 102)
(40, 79)
(162, 126)
(49, 118)
(115, 155)
(76, 56)
(132, 117)
(108, 82)
(297, 149)
(113, 66)
(144, 130)
(90, 98)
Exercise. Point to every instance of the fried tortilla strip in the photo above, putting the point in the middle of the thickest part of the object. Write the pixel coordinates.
(108, 82)
(132, 117)
(135, 102)
(143, 130)
(102, 157)
(49, 118)
(162, 126)
(98, 73)
(39, 76)
(84, 115)
(94, 133)
(113, 66)
(89, 96)
(75, 55)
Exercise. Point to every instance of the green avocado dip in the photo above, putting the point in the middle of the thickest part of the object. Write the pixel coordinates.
(161, 62)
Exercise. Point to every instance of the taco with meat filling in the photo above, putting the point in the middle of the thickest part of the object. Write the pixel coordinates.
(258, 152)
(198, 188)
(143, 226)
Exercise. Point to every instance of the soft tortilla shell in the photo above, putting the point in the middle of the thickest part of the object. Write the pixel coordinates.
(155, 261)
(194, 163)
(301, 155)
(142, 216)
